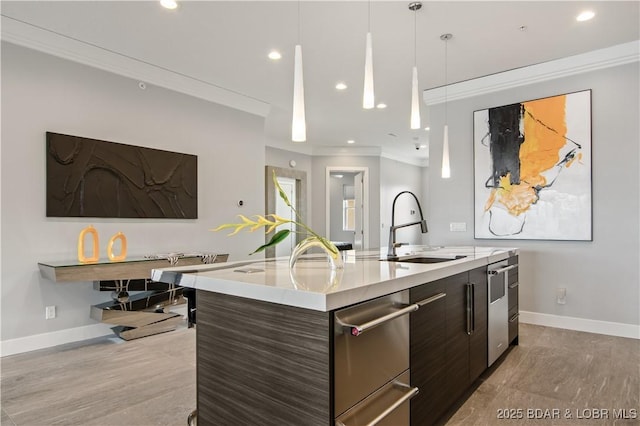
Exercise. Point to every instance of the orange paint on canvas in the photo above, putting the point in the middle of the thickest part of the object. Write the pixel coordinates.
(544, 131)
(490, 200)
(516, 198)
(543, 142)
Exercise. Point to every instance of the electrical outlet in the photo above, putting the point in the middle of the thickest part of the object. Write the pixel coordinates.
(458, 227)
(561, 295)
(50, 312)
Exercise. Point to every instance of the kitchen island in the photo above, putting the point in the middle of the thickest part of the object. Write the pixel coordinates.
(272, 342)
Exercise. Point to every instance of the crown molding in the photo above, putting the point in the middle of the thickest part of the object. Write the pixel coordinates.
(597, 59)
(36, 38)
(420, 162)
(362, 151)
(315, 150)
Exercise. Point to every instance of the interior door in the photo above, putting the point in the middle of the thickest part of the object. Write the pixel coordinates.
(289, 187)
(358, 185)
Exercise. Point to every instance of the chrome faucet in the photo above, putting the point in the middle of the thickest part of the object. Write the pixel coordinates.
(391, 253)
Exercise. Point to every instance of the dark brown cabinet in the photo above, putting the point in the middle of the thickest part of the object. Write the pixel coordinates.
(427, 354)
(466, 331)
(513, 283)
(478, 337)
(448, 343)
(457, 339)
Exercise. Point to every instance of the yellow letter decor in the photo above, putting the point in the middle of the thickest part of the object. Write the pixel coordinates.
(95, 255)
(123, 247)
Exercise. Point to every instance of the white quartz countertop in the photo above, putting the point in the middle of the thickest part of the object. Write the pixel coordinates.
(313, 285)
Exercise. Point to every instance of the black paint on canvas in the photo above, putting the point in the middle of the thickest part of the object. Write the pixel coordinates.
(94, 178)
(506, 138)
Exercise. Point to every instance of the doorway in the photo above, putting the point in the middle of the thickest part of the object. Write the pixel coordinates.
(288, 185)
(347, 205)
(296, 183)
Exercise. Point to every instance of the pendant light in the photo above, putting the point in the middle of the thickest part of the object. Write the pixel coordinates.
(298, 123)
(415, 97)
(446, 170)
(368, 98)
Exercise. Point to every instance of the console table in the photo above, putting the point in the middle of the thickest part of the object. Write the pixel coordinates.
(134, 315)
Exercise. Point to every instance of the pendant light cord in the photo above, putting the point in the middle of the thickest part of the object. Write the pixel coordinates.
(415, 37)
(446, 60)
(298, 21)
(369, 16)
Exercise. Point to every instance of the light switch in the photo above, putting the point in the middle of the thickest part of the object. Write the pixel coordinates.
(458, 227)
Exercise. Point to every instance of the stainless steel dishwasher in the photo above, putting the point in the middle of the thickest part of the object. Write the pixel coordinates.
(371, 368)
(498, 310)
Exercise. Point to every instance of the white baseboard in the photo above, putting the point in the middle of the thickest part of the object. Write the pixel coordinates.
(54, 338)
(581, 324)
(61, 337)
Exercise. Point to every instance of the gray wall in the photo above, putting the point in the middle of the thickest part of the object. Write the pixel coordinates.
(602, 276)
(396, 177)
(318, 190)
(280, 158)
(41, 93)
(337, 195)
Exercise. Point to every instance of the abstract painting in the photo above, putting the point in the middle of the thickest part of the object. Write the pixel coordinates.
(532, 171)
(94, 178)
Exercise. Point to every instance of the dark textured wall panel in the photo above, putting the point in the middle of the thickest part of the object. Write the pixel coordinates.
(93, 178)
(428, 354)
(261, 363)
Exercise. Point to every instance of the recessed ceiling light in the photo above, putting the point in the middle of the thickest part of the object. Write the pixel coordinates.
(169, 4)
(427, 128)
(274, 55)
(585, 16)
(350, 141)
(338, 176)
(341, 86)
(381, 105)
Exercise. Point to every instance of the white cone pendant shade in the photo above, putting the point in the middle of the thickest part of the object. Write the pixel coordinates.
(415, 101)
(298, 124)
(368, 101)
(446, 170)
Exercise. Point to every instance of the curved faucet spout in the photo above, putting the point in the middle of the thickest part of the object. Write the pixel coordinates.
(391, 252)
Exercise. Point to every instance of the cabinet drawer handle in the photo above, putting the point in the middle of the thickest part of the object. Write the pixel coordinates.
(358, 329)
(514, 317)
(501, 270)
(431, 299)
(411, 392)
(514, 285)
(469, 308)
(473, 308)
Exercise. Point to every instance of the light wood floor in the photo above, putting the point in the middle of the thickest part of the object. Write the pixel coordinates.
(151, 381)
(572, 372)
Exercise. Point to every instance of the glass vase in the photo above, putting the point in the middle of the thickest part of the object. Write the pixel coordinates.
(333, 255)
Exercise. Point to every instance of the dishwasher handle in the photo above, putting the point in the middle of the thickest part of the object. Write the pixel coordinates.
(358, 329)
(410, 393)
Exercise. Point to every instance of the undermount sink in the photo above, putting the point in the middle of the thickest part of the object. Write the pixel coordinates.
(420, 259)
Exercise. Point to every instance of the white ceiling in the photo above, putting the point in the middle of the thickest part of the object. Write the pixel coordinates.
(224, 45)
